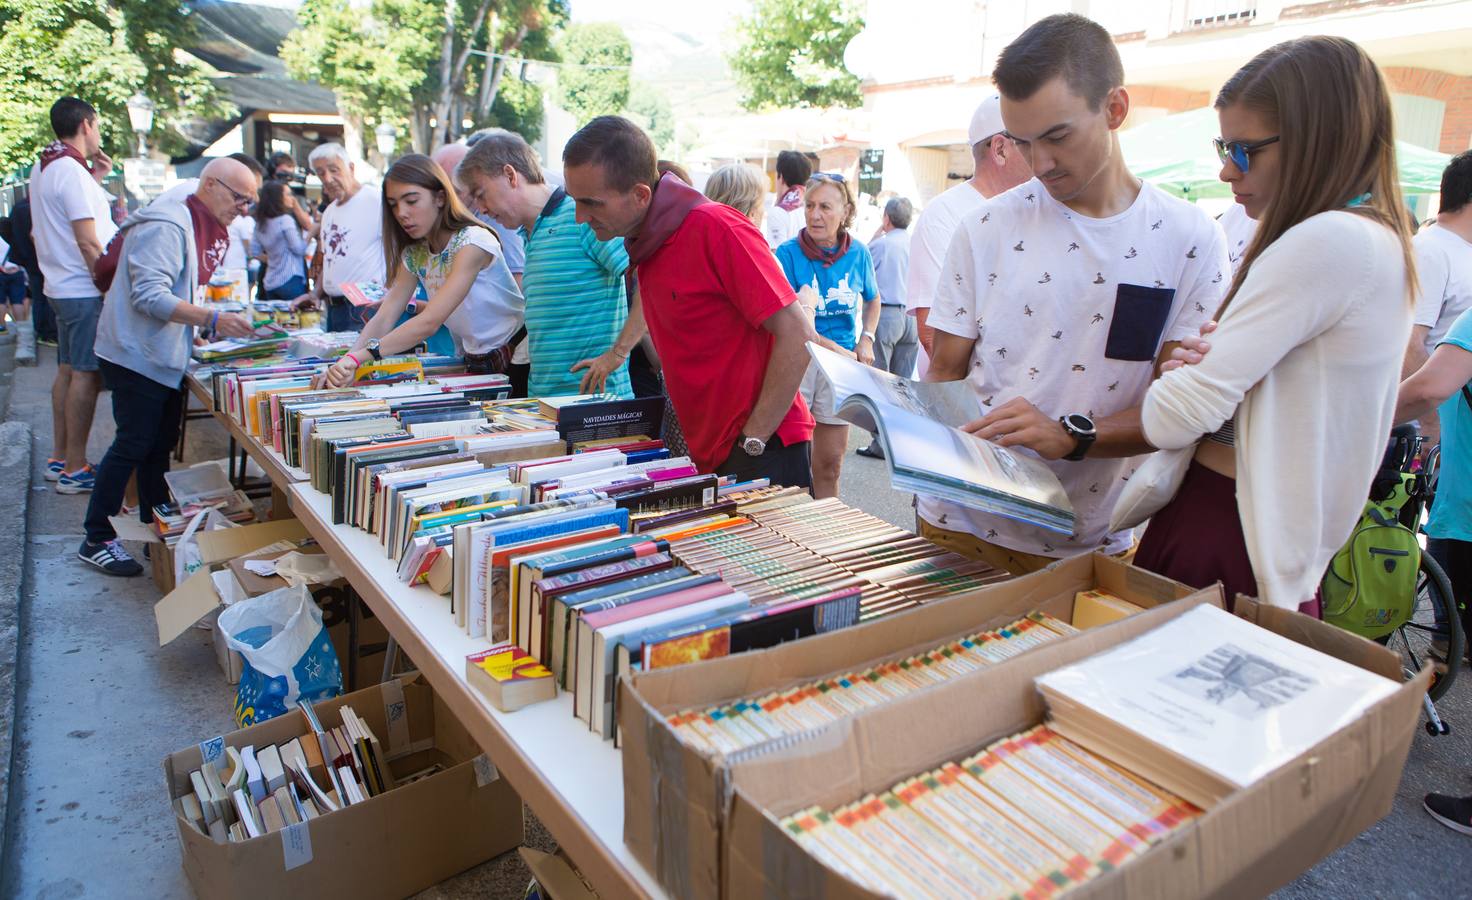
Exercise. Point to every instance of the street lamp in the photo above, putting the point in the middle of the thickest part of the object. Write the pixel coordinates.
(140, 116)
(387, 135)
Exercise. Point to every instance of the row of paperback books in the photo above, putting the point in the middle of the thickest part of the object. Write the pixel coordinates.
(1033, 815)
(744, 723)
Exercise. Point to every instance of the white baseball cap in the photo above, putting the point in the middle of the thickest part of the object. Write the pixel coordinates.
(986, 121)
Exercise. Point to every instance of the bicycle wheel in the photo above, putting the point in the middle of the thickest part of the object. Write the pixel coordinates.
(1435, 620)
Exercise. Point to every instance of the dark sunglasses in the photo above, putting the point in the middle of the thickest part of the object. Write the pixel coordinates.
(829, 176)
(1239, 153)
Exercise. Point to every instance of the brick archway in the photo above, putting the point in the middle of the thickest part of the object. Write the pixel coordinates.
(1453, 90)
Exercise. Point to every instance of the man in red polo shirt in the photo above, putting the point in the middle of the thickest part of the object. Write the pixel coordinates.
(723, 318)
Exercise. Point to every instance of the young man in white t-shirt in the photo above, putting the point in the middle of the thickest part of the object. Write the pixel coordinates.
(71, 225)
(1058, 299)
(786, 216)
(1444, 270)
(998, 167)
(351, 237)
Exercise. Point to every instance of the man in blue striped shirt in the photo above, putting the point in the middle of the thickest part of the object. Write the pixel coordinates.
(580, 326)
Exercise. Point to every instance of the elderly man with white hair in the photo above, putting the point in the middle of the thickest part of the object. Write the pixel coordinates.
(144, 336)
(351, 237)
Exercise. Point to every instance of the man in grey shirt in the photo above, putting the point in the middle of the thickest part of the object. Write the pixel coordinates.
(897, 339)
(144, 337)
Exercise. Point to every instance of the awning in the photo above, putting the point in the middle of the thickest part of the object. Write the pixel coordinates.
(1175, 153)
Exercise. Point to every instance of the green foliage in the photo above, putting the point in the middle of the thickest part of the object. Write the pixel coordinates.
(791, 54)
(518, 108)
(374, 60)
(102, 52)
(384, 61)
(650, 109)
(591, 92)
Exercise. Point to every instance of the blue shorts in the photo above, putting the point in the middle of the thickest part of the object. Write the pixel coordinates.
(290, 289)
(13, 288)
(76, 331)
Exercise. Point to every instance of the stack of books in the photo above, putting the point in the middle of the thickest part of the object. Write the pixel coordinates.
(194, 490)
(1030, 816)
(747, 722)
(260, 790)
(1208, 704)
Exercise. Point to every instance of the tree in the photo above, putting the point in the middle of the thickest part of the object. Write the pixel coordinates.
(594, 79)
(104, 53)
(417, 62)
(650, 109)
(791, 54)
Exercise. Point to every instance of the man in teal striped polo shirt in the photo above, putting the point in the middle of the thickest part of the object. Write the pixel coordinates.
(580, 328)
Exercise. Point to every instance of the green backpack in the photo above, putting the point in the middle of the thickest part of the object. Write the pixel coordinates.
(1370, 588)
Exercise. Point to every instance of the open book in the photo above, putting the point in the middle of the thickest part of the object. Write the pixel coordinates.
(918, 426)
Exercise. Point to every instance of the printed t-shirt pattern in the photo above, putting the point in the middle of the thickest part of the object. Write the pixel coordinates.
(492, 310)
(1070, 312)
(842, 288)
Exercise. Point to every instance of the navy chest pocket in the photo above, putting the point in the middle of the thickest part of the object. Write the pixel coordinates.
(1140, 314)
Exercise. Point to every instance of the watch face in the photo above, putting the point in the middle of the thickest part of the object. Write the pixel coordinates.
(1081, 424)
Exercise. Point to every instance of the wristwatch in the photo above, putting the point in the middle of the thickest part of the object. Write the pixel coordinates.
(373, 350)
(753, 446)
(1081, 429)
(869, 335)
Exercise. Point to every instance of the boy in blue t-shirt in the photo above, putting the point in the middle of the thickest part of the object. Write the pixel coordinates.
(833, 276)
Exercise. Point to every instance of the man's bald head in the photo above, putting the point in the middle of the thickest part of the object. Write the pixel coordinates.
(448, 158)
(227, 189)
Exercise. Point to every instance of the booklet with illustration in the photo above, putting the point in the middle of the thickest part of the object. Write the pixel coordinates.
(1207, 703)
(918, 427)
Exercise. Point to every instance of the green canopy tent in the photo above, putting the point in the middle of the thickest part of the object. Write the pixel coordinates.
(1175, 153)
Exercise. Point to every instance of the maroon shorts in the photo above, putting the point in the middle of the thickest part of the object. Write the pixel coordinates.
(1197, 539)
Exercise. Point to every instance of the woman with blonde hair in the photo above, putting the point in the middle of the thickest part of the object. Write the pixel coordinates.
(740, 186)
(1281, 426)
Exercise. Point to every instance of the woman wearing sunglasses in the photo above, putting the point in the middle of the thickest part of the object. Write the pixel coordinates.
(834, 279)
(1280, 427)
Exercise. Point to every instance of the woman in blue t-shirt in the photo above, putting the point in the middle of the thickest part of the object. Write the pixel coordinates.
(834, 279)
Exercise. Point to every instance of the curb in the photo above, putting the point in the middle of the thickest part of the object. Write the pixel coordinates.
(15, 491)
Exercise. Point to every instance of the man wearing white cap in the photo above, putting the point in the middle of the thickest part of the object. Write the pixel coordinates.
(998, 167)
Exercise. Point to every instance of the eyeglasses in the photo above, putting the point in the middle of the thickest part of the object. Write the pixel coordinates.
(1239, 153)
(835, 177)
(243, 201)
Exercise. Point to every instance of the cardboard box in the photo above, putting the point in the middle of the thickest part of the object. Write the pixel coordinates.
(1255, 841)
(187, 603)
(392, 845)
(556, 876)
(335, 599)
(199, 597)
(673, 811)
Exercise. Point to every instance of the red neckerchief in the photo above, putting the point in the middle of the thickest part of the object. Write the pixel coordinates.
(792, 199)
(672, 201)
(58, 150)
(211, 239)
(817, 254)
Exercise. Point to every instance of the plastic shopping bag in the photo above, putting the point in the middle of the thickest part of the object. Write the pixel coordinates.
(287, 655)
(186, 551)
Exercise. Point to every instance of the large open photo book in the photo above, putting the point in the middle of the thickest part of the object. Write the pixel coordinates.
(918, 424)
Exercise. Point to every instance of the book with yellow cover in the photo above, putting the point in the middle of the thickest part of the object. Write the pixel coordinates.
(509, 677)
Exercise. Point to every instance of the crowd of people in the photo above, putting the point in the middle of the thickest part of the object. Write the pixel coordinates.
(1231, 382)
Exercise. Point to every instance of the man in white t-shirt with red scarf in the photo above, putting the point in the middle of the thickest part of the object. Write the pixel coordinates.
(71, 224)
(1059, 298)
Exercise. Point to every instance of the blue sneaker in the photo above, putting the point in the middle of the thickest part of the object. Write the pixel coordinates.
(110, 558)
(79, 482)
(54, 468)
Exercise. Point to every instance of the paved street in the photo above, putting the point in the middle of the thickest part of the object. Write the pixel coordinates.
(100, 704)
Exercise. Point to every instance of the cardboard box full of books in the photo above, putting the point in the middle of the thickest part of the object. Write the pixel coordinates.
(1255, 840)
(390, 845)
(673, 806)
